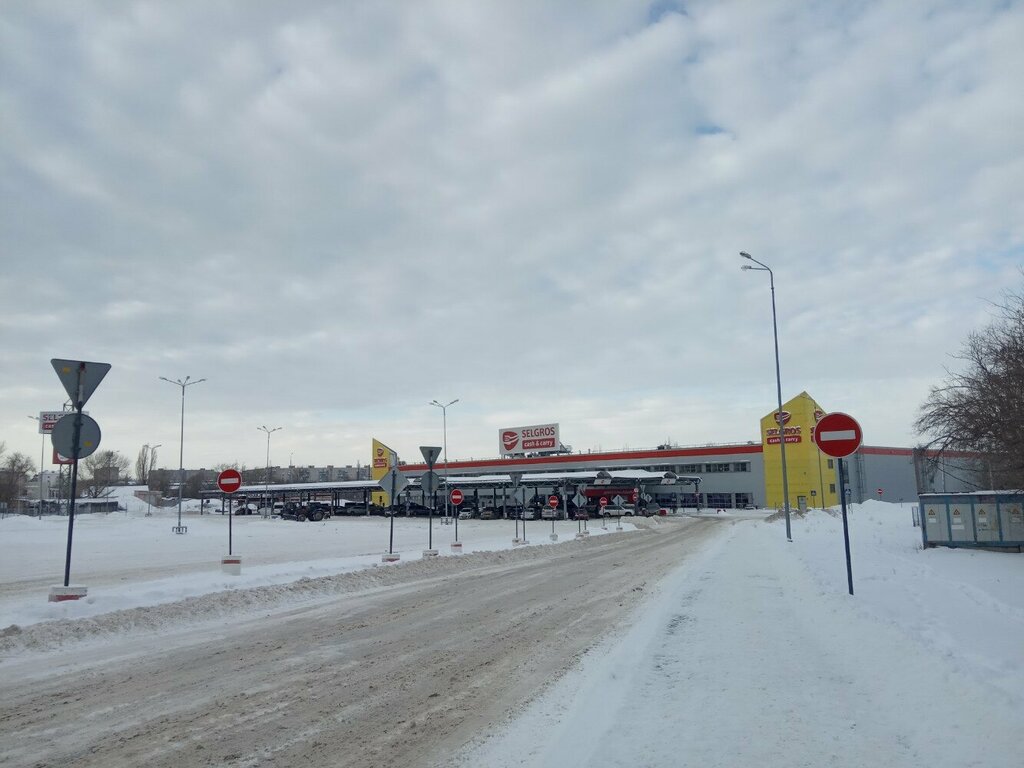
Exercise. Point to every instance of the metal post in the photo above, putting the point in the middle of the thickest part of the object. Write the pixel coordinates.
(391, 534)
(821, 481)
(74, 490)
(42, 455)
(181, 458)
(778, 383)
(430, 512)
(230, 515)
(266, 478)
(181, 449)
(846, 529)
(444, 422)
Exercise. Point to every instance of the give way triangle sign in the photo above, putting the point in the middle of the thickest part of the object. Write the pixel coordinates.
(80, 378)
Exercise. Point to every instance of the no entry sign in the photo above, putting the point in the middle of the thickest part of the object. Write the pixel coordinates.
(603, 501)
(552, 501)
(456, 496)
(838, 435)
(229, 481)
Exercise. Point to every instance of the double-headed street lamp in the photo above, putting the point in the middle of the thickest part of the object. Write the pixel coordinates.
(181, 451)
(266, 479)
(778, 383)
(444, 427)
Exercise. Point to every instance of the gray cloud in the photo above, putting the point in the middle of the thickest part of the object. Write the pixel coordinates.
(336, 213)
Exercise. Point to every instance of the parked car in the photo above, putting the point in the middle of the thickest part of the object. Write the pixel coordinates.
(617, 510)
(292, 511)
(416, 510)
(466, 514)
(488, 513)
(301, 512)
(581, 514)
(513, 512)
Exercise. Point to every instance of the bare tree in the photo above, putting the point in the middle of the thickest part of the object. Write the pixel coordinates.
(15, 469)
(145, 462)
(142, 466)
(980, 408)
(97, 473)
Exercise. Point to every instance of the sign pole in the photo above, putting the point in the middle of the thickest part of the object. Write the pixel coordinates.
(846, 529)
(839, 435)
(74, 488)
(230, 515)
(391, 534)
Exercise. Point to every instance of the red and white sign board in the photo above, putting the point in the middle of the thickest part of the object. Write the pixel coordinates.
(229, 481)
(603, 501)
(519, 440)
(47, 421)
(456, 496)
(58, 459)
(879, 492)
(838, 435)
(552, 501)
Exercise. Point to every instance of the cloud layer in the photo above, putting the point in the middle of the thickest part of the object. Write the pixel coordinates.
(338, 212)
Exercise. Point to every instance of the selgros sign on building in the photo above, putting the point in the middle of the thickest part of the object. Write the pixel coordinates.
(519, 440)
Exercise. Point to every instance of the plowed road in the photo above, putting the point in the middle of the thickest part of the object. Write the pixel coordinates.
(400, 673)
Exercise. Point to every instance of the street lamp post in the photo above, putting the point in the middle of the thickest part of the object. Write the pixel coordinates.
(179, 528)
(266, 479)
(42, 454)
(150, 460)
(444, 443)
(778, 383)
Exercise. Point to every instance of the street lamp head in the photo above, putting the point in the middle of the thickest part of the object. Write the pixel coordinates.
(746, 266)
(746, 255)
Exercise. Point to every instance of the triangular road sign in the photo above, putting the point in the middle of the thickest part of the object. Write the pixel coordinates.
(430, 453)
(79, 378)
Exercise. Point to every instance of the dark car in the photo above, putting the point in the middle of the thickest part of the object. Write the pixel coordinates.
(301, 512)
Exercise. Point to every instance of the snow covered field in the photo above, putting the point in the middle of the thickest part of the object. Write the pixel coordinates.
(748, 652)
(129, 560)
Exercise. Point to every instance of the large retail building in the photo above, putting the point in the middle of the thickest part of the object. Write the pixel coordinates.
(732, 475)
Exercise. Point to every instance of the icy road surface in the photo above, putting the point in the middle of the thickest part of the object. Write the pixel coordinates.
(386, 666)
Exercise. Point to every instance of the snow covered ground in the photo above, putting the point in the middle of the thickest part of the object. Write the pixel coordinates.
(128, 560)
(753, 653)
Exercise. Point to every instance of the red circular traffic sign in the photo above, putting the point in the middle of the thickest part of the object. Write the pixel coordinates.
(838, 435)
(552, 501)
(456, 496)
(229, 481)
(603, 501)
(879, 491)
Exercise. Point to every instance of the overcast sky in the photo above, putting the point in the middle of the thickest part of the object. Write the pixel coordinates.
(337, 212)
